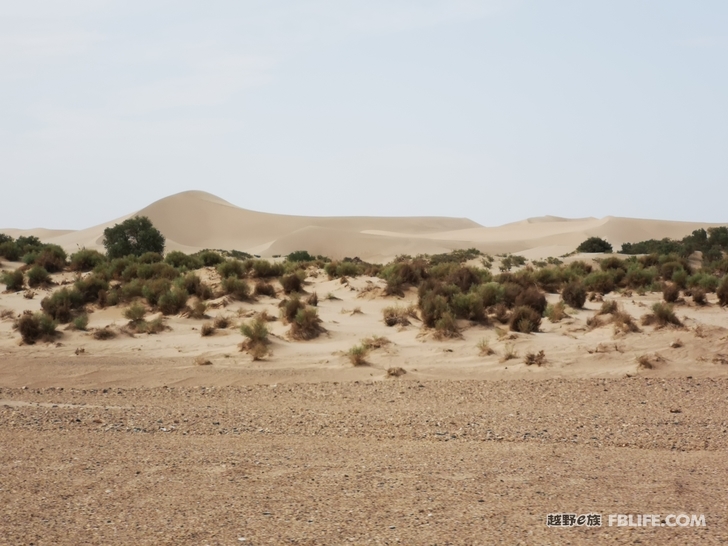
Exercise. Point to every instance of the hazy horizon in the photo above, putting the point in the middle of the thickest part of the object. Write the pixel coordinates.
(493, 111)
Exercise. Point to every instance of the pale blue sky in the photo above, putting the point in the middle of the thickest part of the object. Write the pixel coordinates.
(496, 111)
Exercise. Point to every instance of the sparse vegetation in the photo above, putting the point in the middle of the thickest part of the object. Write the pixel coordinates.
(525, 319)
(263, 288)
(306, 325)
(104, 333)
(484, 348)
(207, 329)
(35, 326)
(397, 315)
(357, 355)
(662, 315)
(509, 352)
(538, 359)
(257, 342)
(574, 294)
(13, 280)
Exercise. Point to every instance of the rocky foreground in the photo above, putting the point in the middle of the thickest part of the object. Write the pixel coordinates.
(372, 462)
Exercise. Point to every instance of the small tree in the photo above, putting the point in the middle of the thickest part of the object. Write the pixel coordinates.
(134, 236)
(594, 244)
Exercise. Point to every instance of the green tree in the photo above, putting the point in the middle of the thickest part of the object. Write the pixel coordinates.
(134, 236)
(594, 244)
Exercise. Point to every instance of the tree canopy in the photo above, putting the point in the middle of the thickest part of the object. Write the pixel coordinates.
(134, 236)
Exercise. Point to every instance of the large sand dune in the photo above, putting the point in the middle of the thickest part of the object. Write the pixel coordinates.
(195, 220)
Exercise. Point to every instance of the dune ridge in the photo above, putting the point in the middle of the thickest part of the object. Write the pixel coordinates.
(194, 220)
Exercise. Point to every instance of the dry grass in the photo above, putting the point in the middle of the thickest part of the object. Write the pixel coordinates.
(375, 342)
(395, 372)
(556, 312)
(509, 352)
(484, 348)
(257, 342)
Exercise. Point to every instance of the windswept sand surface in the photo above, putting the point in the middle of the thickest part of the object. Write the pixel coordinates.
(195, 220)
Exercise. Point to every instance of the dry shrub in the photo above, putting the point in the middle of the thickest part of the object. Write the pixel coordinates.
(623, 322)
(396, 315)
(532, 297)
(595, 322)
(648, 362)
(375, 342)
(263, 288)
(197, 310)
(29, 294)
(484, 348)
(202, 361)
(539, 359)
(312, 300)
(501, 314)
(104, 333)
(152, 327)
(698, 295)
(670, 292)
(257, 341)
(608, 308)
(221, 322)
(357, 355)
(396, 372)
(525, 319)
(676, 344)
(207, 329)
(306, 325)
(574, 294)
(6, 313)
(265, 317)
(356, 311)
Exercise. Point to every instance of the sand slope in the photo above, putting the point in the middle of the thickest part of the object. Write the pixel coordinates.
(195, 220)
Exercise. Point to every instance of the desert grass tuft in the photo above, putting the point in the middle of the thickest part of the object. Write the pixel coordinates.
(484, 348)
(539, 359)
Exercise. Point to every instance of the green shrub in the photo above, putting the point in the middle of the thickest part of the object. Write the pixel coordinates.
(491, 293)
(150, 258)
(13, 280)
(432, 307)
(594, 244)
(300, 256)
(574, 294)
(357, 355)
(612, 262)
(680, 278)
(290, 308)
(10, 251)
(194, 286)
(173, 301)
(136, 288)
(90, 287)
(152, 290)
(135, 236)
(668, 269)
(265, 269)
(38, 276)
(61, 304)
(236, 288)
(292, 283)
(525, 319)
(446, 327)
(638, 277)
(306, 325)
(86, 260)
(135, 312)
(179, 260)
(707, 282)
(231, 268)
(548, 279)
(511, 291)
(698, 295)
(210, 258)
(52, 258)
(665, 315)
(468, 306)
(599, 281)
(35, 326)
(81, 322)
(722, 291)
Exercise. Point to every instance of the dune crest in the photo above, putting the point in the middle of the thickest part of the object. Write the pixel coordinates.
(194, 220)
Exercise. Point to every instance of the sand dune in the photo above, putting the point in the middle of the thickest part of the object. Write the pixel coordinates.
(195, 220)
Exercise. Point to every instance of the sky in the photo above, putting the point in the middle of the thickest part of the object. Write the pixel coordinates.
(492, 110)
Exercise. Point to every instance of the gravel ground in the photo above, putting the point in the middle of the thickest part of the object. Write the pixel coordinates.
(375, 462)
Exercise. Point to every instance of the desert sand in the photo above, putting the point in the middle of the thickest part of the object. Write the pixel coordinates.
(176, 438)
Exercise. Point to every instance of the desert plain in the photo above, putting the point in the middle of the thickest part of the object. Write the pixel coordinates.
(173, 437)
